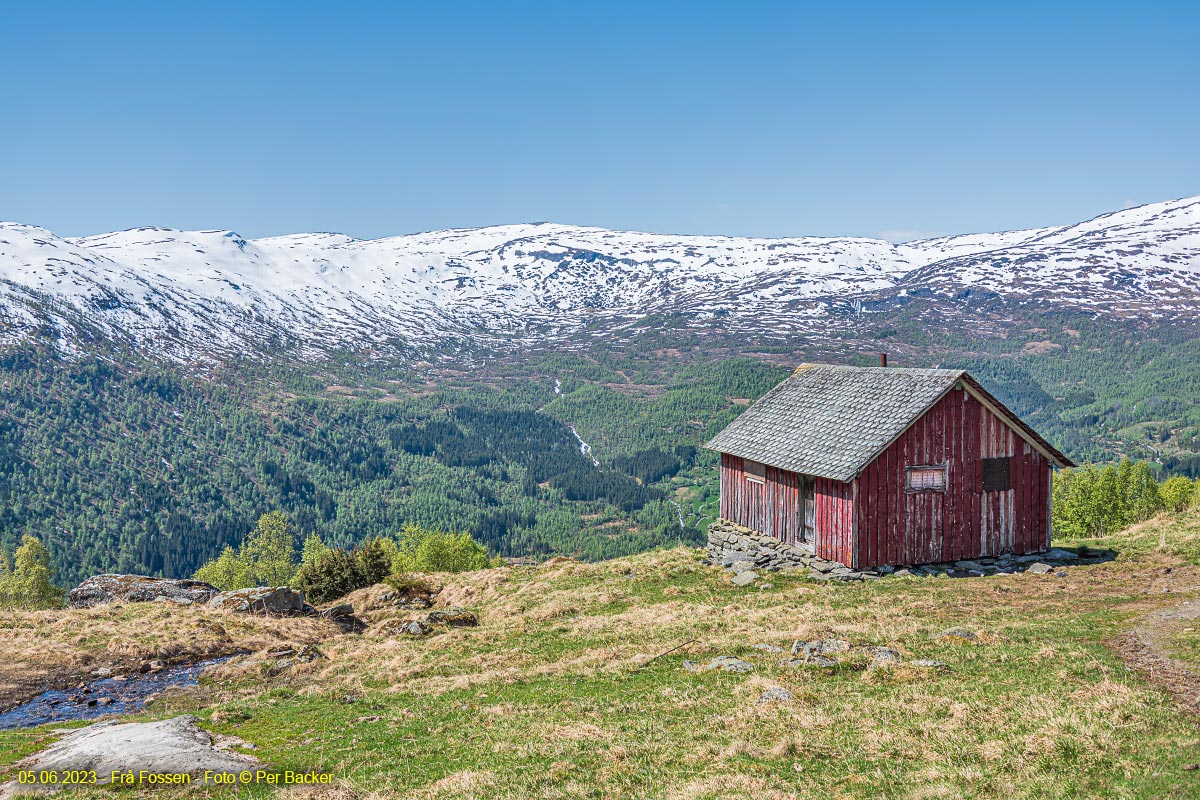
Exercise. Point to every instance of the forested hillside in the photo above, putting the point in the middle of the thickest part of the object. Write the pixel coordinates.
(121, 463)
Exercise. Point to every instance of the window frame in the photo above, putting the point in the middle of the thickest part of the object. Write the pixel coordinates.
(756, 473)
(908, 476)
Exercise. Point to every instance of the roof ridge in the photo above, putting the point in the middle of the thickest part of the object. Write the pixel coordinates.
(809, 365)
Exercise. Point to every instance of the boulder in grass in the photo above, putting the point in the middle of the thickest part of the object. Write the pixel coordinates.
(342, 615)
(278, 600)
(111, 587)
(452, 617)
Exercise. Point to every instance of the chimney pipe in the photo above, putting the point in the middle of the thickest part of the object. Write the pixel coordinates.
(883, 359)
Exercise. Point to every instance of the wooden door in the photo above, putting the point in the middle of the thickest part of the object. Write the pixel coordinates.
(756, 505)
(808, 508)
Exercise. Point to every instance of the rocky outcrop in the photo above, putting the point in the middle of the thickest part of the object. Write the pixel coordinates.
(279, 600)
(168, 747)
(453, 617)
(108, 588)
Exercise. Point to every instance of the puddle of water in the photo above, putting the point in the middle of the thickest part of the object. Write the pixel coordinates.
(101, 697)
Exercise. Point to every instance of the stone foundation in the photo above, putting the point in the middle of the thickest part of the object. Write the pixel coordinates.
(745, 553)
(730, 544)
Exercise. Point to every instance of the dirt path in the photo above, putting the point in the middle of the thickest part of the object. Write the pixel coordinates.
(1144, 648)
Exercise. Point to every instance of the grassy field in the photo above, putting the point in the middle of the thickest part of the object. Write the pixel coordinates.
(558, 694)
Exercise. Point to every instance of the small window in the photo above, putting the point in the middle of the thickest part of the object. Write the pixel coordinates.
(927, 479)
(755, 471)
(997, 474)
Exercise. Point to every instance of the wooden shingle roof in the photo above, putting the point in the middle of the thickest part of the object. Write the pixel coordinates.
(831, 421)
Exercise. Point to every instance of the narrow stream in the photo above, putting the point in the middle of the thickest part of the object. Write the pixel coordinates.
(678, 510)
(584, 447)
(101, 697)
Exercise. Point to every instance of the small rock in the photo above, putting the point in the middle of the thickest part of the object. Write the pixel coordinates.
(102, 672)
(729, 664)
(766, 586)
(309, 653)
(959, 635)
(815, 661)
(767, 648)
(927, 663)
(691, 666)
(1040, 568)
(820, 647)
(744, 578)
(776, 694)
(903, 573)
(418, 627)
(1057, 554)
(882, 657)
(886, 569)
(742, 566)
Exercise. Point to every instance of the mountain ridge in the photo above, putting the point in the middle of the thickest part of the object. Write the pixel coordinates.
(185, 294)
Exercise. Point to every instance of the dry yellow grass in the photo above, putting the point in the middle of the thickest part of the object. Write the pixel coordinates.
(49, 649)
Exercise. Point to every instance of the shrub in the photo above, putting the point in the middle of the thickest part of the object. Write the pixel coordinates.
(335, 574)
(374, 561)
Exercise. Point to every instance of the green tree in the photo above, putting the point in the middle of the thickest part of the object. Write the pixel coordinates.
(314, 549)
(425, 550)
(226, 571)
(270, 550)
(7, 588)
(1139, 495)
(267, 557)
(29, 582)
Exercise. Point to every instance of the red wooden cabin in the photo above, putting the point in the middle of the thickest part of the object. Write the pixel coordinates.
(875, 465)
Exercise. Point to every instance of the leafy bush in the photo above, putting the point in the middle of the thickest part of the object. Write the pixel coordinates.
(267, 557)
(28, 581)
(1178, 493)
(423, 550)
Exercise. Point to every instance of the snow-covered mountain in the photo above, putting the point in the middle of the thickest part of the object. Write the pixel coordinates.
(189, 294)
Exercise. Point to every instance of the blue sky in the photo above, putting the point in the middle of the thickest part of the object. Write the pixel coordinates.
(773, 119)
